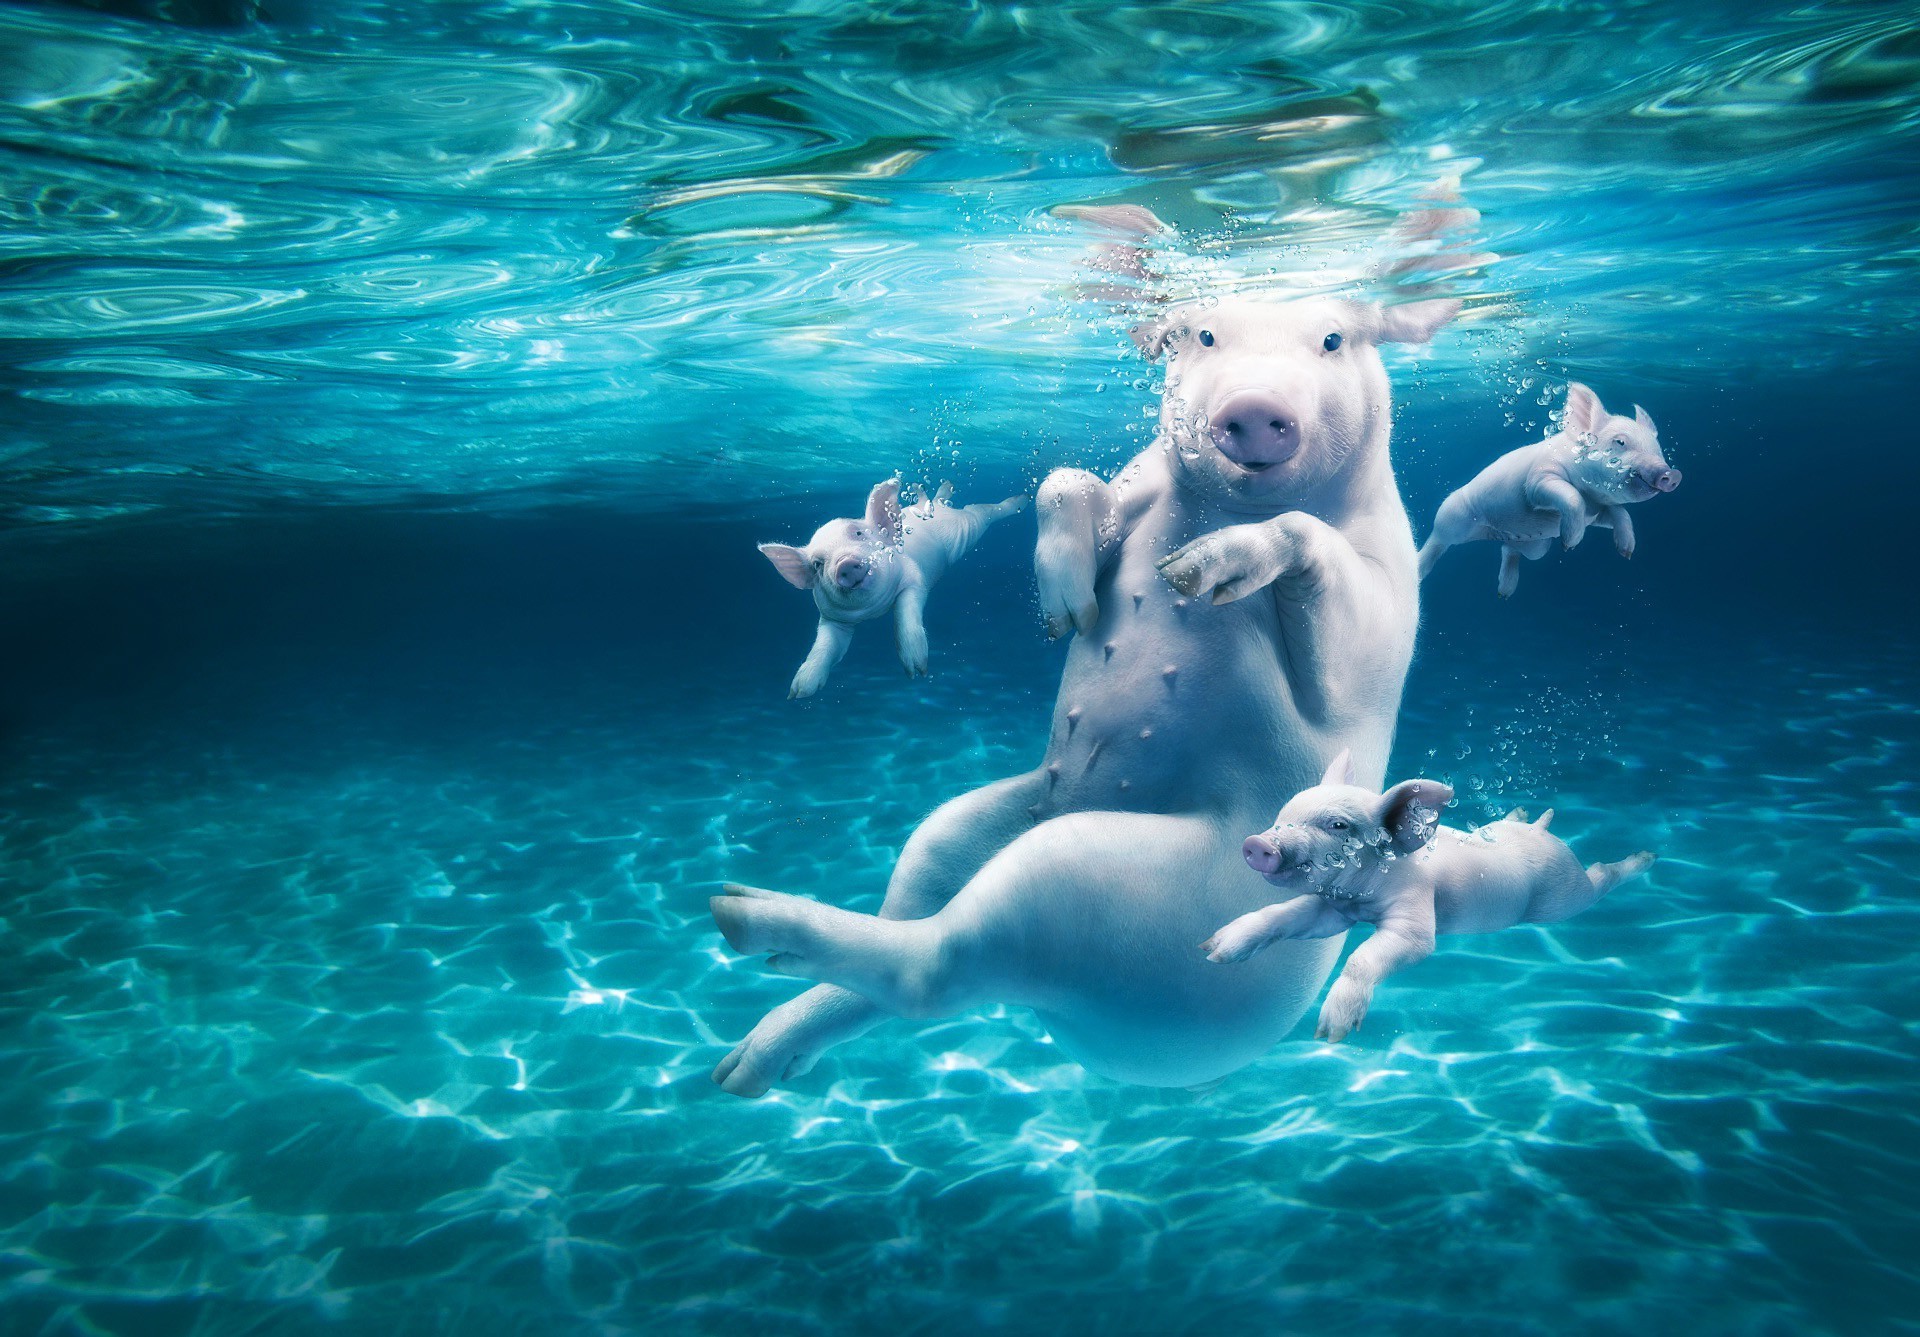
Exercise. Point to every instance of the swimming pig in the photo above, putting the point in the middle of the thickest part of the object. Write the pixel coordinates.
(1351, 855)
(1585, 474)
(889, 558)
(1245, 598)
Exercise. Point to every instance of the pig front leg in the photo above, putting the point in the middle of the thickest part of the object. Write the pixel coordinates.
(1617, 519)
(1301, 917)
(830, 642)
(1079, 521)
(1403, 936)
(910, 630)
(1329, 598)
(1545, 492)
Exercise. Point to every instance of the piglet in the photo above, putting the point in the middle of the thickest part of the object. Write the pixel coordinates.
(1585, 474)
(1350, 856)
(889, 558)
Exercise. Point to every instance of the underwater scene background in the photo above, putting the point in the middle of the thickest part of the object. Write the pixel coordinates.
(393, 396)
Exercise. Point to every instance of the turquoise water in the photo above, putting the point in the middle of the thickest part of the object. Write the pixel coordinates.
(394, 396)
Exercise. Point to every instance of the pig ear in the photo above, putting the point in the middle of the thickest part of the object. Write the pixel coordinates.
(1341, 771)
(1150, 337)
(883, 509)
(790, 562)
(1646, 422)
(1410, 811)
(1414, 322)
(1584, 413)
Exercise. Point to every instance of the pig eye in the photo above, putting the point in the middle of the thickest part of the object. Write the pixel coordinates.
(1206, 338)
(1336, 824)
(1620, 441)
(1332, 342)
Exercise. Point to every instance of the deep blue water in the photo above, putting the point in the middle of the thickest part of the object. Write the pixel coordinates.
(393, 397)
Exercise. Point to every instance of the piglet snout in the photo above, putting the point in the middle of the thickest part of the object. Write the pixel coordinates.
(1262, 855)
(1254, 429)
(850, 571)
(1665, 480)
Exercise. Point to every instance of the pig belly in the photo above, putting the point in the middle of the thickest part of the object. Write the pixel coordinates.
(1490, 877)
(1135, 1001)
(1172, 704)
(1516, 526)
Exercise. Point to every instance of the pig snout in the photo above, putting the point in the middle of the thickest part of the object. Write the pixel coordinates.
(1270, 853)
(851, 571)
(1662, 480)
(1254, 429)
(1262, 855)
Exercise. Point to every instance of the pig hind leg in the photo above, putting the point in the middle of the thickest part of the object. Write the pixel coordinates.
(1563, 898)
(940, 857)
(1510, 555)
(1041, 925)
(897, 963)
(1509, 572)
(1606, 876)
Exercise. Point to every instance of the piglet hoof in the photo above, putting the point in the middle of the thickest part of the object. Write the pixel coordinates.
(732, 913)
(1340, 1015)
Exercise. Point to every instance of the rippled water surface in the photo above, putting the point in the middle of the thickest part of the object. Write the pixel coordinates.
(493, 253)
(390, 399)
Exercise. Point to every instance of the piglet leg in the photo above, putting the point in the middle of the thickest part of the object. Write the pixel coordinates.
(1509, 572)
(1399, 941)
(1301, 917)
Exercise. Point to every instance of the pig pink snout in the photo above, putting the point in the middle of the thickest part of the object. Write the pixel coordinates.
(1263, 855)
(1663, 480)
(1254, 429)
(851, 571)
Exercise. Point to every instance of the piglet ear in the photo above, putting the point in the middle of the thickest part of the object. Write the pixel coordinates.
(1414, 322)
(1410, 812)
(883, 510)
(1640, 416)
(1341, 771)
(1584, 413)
(790, 562)
(1150, 337)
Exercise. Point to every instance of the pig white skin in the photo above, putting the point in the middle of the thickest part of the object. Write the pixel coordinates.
(1246, 602)
(862, 567)
(1353, 855)
(1583, 476)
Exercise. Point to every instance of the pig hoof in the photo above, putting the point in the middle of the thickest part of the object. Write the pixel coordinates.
(772, 1054)
(732, 912)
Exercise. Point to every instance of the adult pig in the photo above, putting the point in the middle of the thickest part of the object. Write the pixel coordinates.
(1245, 600)
(862, 567)
(1584, 475)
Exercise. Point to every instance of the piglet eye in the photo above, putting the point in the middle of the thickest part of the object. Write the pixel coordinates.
(1337, 824)
(1206, 338)
(1332, 342)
